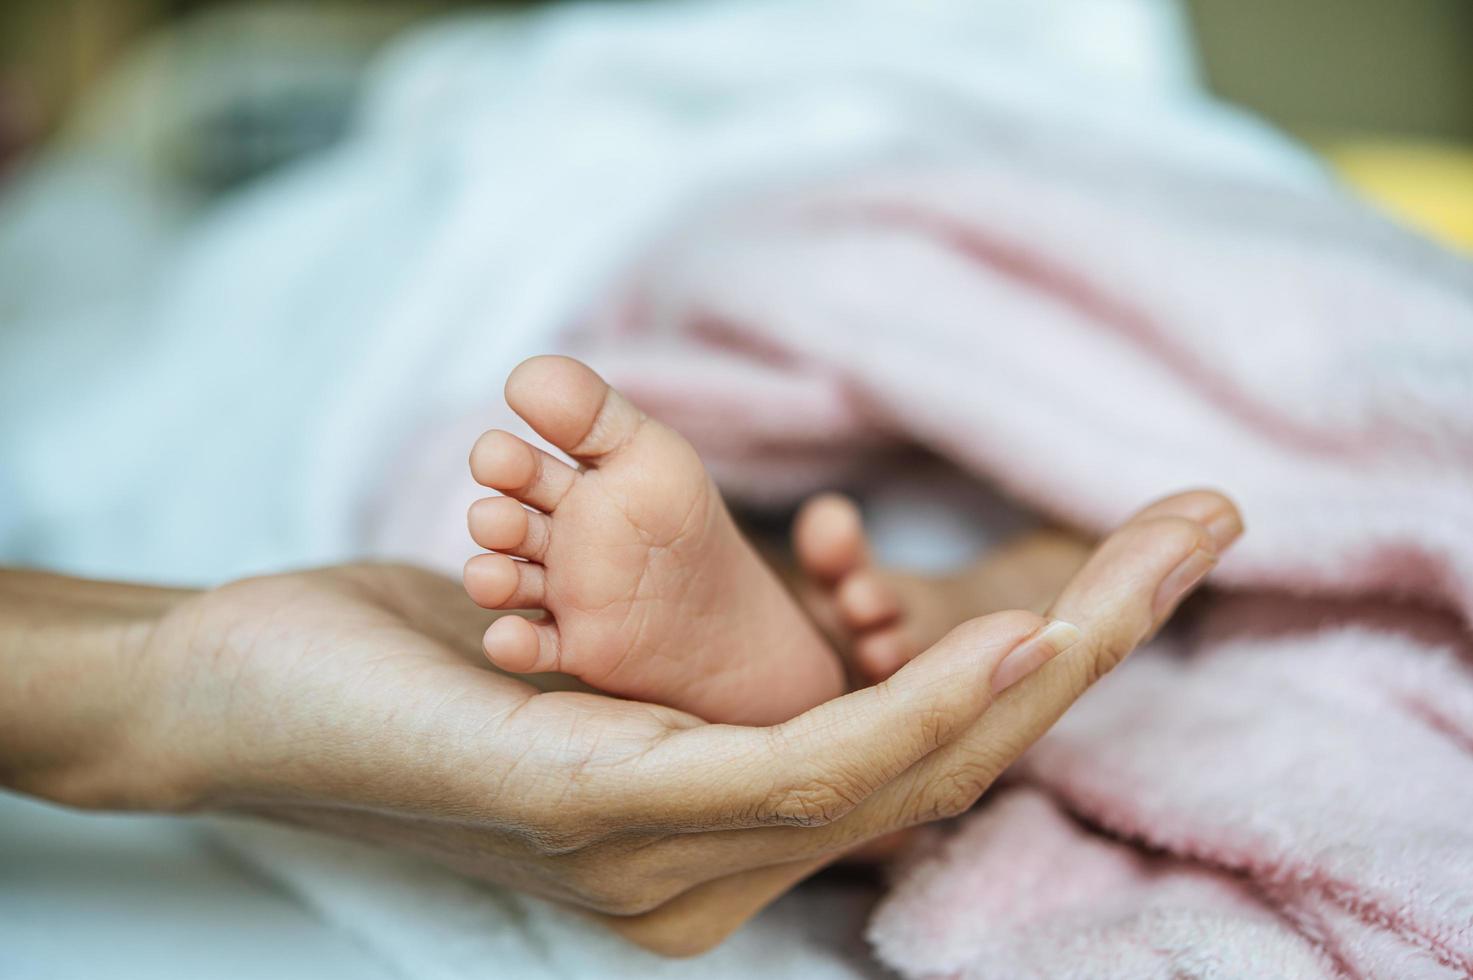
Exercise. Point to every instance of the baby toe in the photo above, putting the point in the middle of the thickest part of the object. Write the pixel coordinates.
(866, 601)
(503, 524)
(828, 537)
(572, 407)
(879, 654)
(498, 582)
(503, 462)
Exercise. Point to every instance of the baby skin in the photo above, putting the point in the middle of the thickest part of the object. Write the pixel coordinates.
(879, 618)
(653, 593)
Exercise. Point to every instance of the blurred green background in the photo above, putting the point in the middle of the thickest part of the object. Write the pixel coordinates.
(1402, 67)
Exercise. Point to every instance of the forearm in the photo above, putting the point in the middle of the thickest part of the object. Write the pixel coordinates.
(70, 697)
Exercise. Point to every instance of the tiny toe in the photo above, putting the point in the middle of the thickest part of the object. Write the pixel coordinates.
(865, 600)
(511, 644)
(828, 537)
(497, 523)
(501, 461)
(572, 407)
(522, 646)
(498, 582)
(880, 654)
(502, 524)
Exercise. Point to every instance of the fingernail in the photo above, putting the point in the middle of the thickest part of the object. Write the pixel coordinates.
(1182, 580)
(1224, 529)
(1033, 653)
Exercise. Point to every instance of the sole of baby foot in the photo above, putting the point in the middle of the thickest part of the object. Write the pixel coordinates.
(650, 590)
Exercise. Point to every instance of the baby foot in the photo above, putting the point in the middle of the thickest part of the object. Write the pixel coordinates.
(652, 592)
(880, 618)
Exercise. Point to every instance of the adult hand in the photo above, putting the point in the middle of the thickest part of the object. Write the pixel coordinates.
(1119, 597)
(355, 700)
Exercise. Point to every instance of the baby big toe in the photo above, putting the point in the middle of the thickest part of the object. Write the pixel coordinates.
(572, 407)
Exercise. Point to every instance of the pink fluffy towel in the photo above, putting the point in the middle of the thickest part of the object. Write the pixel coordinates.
(1286, 788)
(1283, 787)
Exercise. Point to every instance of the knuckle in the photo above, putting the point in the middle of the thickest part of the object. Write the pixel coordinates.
(952, 794)
(1100, 660)
(1095, 657)
(1108, 647)
(815, 803)
(935, 727)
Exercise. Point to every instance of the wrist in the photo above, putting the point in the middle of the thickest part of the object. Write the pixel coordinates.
(78, 705)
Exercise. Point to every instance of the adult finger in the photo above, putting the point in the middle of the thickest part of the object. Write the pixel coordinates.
(1127, 588)
(1130, 583)
(816, 768)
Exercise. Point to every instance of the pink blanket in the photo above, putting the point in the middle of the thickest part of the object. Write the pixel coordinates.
(1286, 788)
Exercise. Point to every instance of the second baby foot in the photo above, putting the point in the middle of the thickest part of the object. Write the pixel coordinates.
(881, 618)
(652, 591)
